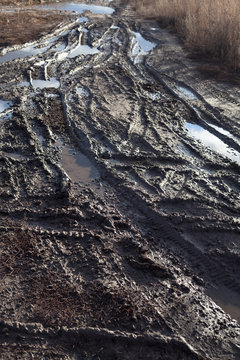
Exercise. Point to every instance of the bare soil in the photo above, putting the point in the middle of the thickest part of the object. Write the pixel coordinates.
(119, 231)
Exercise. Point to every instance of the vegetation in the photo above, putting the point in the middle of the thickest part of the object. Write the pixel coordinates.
(209, 27)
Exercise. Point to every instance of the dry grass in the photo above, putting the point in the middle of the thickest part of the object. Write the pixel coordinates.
(209, 27)
(22, 26)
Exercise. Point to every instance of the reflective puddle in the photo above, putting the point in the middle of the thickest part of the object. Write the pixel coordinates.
(59, 47)
(41, 84)
(79, 8)
(24, 83)
(4, 105)
(225, 132)
(140, 46)
(83, 19)
(81, 91)
(212, 142)
(32, 50)
(83, 50)
(186, 92)
(77, 166)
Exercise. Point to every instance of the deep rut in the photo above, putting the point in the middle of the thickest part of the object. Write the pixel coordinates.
(124, 255)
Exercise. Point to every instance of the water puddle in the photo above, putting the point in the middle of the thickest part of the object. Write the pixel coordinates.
(42, 84)
(140, 47)
(81, 91)
(24, 83)
(212, 142)
(78, 8)
(186, 92)
(225, 132)
(228, 301)
(59, 47)
(83, 19)
(4, 105)
(83, 50)
(32, 50)
(77, 166)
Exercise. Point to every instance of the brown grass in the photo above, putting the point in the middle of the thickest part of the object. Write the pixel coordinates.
(22, 26)
(209, 27)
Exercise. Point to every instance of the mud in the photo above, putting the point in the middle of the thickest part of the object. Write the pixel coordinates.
(119, 230)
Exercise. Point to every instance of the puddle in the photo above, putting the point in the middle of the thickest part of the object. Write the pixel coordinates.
(62, 56)
(188, 93)
(81, 91)
(225, 132)
(41, 84)
(24, 83)
(77, 166)
(4, 105)
(228, 301)
(23, 53)
(78, 8)
(83, 19)
(83, 50)
(59, 47)
(140, 46)
(212, 142)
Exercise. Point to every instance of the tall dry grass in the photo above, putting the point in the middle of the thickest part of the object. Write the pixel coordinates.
(210, 27)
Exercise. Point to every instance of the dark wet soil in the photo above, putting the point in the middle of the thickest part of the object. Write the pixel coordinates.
(119, 228)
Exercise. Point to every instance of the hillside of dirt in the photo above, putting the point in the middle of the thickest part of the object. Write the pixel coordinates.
(119, 194)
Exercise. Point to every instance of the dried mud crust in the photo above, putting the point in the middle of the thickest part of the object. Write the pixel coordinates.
(116, 267)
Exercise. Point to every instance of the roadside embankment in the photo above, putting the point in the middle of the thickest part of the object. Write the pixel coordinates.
(209, 28)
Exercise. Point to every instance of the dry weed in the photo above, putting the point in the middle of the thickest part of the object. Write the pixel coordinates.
(209, 27)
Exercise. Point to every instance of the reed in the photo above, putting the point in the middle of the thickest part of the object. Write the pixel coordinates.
(208, 27)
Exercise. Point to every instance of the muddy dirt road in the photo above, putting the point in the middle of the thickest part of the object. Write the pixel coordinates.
(119, 196)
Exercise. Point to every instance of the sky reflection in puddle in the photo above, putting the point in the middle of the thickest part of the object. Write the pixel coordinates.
(23, 53)
(79, 8)
(83, 50)
(140, 46)
(188, 93)
(52, 83)
(225, 132)
(4, 105)
(212, 142)
(81, 91)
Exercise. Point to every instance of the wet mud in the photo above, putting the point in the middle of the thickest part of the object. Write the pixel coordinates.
(119, 195)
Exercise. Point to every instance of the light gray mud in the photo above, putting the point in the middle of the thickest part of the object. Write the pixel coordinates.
(118, 229)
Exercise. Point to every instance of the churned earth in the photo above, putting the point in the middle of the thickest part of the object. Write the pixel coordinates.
(119, 194)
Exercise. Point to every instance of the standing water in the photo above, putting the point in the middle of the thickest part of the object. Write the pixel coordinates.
(212, 142)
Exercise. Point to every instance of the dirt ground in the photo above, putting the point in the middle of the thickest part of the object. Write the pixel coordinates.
(119, 228)
(22, 26)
